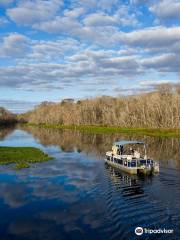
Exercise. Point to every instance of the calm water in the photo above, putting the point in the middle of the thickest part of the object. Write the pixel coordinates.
(77, 196)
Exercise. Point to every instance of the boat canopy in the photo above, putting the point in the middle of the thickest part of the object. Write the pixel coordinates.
(127, 142)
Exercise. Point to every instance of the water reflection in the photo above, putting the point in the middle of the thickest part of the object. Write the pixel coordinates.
(77, 196)
(5, 131)
(128, 185)
(165, 150)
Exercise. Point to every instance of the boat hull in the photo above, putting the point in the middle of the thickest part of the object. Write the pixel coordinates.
(143, 169)
(123, 168)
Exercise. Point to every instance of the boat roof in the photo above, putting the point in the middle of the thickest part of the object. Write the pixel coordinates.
(128, 142)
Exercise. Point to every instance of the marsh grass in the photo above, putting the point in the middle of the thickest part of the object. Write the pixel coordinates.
(22, 157)
(109, 130)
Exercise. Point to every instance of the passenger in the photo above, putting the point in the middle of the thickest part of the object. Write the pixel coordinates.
(136, 154)
(121, 149)
(114, 150)
(118, 151)
(131, 150)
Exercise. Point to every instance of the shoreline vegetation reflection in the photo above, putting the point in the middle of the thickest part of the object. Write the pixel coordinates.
(77, 196)
(95, 129)
(164, 149)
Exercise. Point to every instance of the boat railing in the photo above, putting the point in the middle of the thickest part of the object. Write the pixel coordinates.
(143, 160)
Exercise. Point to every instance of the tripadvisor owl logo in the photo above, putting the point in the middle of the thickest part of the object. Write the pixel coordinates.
(139, 231)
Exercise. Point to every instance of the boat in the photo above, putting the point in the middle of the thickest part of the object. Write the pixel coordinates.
(131, 157)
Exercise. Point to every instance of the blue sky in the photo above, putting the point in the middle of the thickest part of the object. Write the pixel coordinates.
(58, 49)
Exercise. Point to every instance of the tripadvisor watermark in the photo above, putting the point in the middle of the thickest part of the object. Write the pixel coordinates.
(139, 231)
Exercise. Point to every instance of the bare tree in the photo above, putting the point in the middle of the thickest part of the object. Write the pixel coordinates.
(158, 109)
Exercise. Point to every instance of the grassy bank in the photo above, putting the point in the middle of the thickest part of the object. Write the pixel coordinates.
(110, 130)
(22, 157)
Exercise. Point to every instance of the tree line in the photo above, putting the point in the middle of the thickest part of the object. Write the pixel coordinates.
(6, 117)
(158, 109)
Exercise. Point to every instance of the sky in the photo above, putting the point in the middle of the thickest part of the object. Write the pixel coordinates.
(56, 49)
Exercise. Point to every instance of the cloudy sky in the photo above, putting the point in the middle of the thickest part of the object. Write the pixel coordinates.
(55, 49)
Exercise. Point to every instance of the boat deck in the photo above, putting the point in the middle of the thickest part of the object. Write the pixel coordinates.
(132, 165)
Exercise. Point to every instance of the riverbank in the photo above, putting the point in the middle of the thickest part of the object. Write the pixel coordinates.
(109, 130)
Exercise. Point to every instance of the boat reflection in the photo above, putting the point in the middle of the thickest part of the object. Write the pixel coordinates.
(128, 185)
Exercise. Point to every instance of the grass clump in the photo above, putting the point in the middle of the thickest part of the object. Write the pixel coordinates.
(22, 157)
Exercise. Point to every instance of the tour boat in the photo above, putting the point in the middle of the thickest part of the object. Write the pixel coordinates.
(126, 155)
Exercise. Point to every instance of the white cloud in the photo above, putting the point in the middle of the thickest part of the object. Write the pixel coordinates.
(125, 16)
(166, 9)
(86, 66)
(106, 4)
(88, 25)
(76, 12)
(71, 27)
(99, 19)
(64, 62)
(94, 4)
(122, 17)
(14, 45)
(30, 12)
(152, 83)
(50, 51)
(163, 63)
(64, 25)
(151, 37)
(89, 42)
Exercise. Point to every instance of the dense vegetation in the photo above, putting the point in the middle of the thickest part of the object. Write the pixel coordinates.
(154, 132)
(6, 117)
(158, 109)
(22, 156)
(158, 148)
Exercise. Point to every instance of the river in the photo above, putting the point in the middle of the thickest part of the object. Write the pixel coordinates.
(77, 196)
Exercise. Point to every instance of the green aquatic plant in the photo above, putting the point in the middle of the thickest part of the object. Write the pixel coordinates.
(110, 130)
(22, 157)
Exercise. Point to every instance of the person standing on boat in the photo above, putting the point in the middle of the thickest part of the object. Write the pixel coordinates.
(114, 150)
(132, 151)
(121, 149)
